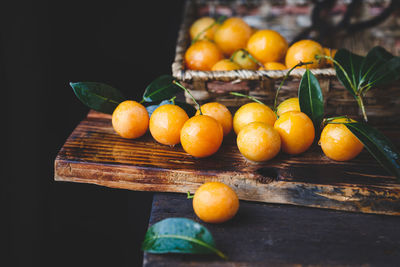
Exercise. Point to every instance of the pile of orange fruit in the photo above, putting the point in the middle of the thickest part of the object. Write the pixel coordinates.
(234, 45)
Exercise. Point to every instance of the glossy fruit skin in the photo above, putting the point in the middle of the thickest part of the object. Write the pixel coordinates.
(202, 55)
(215, 202)
(290, 104)
(296, 130)
(339, 143)
(201, 136)
(130, 119)
(273, 66)
(330, 53)
(304, 51)
(252, 112)
(200, 25)
(232, 35)
(244, 61)
(219, 112)
(267, 46)
(258, 142)
(166, 123)
(225, 65)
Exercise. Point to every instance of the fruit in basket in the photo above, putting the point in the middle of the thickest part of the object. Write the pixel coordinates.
(130, 119)
(291, 104)
(258, 141)
(166, 123)
(202, 55)
(225, 65)
(232, 35)
(267, 46)
(203, 28)
(252, 112)
(201, 136)
(273, 66)
(215, 202)
(338, 142)
(330, 53)
(244, 60)
(219, 112)
(296, 130)
(305, 51)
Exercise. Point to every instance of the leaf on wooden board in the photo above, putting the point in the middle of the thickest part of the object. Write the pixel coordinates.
(160, 89)
(311, 99)
(98, 96)
(380, 147)
(179, 235)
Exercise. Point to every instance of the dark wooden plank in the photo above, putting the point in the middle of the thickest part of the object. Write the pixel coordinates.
(280, 235)
(95, 154)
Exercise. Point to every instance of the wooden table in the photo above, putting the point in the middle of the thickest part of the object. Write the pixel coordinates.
(280, 235)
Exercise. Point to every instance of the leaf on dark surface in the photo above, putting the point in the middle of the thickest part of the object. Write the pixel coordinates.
(98, 96)
(160, 89)
(380, 147)
(311, 99)
(351, 64)
(189, 109)
(179, 235)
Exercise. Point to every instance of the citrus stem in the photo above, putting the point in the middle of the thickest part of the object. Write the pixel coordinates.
(284, 79)
(330, 120)
(362, 107)
(247, 54)
(173, 100)
(189, 196)
(187, 91)
(249, 97)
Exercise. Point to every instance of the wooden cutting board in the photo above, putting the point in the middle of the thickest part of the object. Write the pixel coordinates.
(95, 154)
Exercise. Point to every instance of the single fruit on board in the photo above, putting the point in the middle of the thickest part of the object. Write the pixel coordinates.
(215, 202)
(267, 46)
(202, 55)
(338, 142)
(290, 104)
(252, 112)
(273, 66)
(200, 25)
(219, 112)
(243, 59)
(258, 141)
(201, 136)
(130, 119)
(232, 35)
(296, 130)
(330, 53)
(166, 123)
(224, 65)
(305, 51)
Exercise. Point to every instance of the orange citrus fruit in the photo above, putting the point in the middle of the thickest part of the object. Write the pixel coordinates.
(200, 26)
(267, 46)
(338, 142)
(304, 51)
(215, 202)
(290, 104)
(202, 55)
(296, 130)
(330, 53)
(225, 64)
(273, 66)
(166, 123)
(130, 119)
(232, 35)
(201, 136)
(258, 141)
(219, 112)
(252, 112)
(243, 59)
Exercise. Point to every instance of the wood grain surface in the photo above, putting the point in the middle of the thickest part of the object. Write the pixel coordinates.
(281, 235)
(94, 153)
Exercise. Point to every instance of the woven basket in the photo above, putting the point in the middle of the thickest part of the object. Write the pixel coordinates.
(288, 18)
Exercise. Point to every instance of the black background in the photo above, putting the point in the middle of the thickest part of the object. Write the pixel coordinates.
(45, 45)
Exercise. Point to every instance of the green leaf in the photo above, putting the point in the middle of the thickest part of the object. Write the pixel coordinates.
(150, 109)
(190, 110)
(98, 96)
(349, 69)
(380, 147)
(386, 73)
(311, 99)
(179, 235)
(375, 58)
(160, 89)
